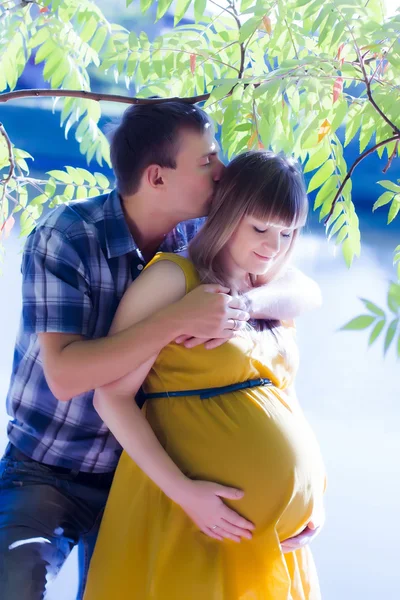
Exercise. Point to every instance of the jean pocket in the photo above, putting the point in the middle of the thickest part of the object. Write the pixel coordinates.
(19, 473)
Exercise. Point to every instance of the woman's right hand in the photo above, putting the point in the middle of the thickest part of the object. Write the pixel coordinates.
(202, 502)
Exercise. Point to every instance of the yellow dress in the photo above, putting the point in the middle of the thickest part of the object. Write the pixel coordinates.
(253, 439)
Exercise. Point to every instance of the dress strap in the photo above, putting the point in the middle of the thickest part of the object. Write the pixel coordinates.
(206, 393)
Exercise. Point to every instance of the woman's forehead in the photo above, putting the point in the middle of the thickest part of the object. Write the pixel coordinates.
(272, 223)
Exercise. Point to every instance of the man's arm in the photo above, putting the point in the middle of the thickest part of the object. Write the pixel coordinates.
(74, 365)
(57, 307)
(284, 298)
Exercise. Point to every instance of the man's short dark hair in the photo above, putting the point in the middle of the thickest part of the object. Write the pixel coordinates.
(148, 134)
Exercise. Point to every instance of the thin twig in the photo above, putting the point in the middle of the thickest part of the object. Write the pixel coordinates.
(256, 122)
(291, 37)
(222, 8)
(391, 157)
(11, 158)
(353, 166)
(196, 54)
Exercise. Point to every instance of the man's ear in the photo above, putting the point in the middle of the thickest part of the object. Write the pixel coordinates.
(154, 176)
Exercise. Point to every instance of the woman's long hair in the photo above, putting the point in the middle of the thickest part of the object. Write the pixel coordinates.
(267, 186)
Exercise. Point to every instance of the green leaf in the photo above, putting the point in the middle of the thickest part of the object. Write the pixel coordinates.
(219, 92)
(145, 5)
(348, 251)
(326, 192)
(318, 158)
(69, 192)
(376, 331)
(180, 10)
(248, 28)
(133, 41)
(373, 308)
(353, 122)
(60, 176)
(162, 7)
(361, 322)
(44, 51)
(76, 177)
(341, 110)
(199, 9)
(50, 187)
(389, 185)
(39, 37)
(385, 198)
(337, 226)
(102, 180)
(394, 209)
(88, 30)
(99, 39)
(321, 175)
(390, 334)
(87, 175)
(393, 298)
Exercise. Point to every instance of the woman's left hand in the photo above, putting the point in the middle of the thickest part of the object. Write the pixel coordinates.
(307, 535)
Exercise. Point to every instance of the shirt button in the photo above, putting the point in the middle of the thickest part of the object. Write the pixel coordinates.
(140, 267)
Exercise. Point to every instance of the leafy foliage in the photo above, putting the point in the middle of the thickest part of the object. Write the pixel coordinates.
(296, 76)
(380, 323)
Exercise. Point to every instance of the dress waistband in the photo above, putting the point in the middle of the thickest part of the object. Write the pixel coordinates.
(206, 393)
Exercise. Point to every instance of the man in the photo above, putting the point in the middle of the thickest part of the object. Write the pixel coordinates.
(77, 264)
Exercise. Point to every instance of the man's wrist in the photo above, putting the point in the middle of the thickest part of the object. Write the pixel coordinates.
(171, 321)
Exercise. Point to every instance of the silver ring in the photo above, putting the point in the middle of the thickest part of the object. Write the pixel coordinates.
(214, 527)
(235, 325)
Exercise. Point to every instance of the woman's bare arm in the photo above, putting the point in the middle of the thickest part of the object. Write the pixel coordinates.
(165, 283)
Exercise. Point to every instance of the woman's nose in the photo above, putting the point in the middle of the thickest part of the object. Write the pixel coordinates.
(272, 244)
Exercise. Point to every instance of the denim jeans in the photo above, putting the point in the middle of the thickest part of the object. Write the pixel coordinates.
(44, 512)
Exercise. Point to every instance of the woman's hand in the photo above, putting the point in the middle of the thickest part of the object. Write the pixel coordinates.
(201, 501)
(308, 534)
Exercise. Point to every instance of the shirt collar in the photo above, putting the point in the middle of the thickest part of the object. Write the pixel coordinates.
(118, 237)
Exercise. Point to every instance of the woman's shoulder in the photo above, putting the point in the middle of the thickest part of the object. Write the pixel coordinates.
(183, 262)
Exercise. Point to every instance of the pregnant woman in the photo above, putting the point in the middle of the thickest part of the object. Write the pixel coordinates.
(226, 415)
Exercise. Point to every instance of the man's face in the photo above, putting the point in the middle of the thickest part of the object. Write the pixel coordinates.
(198, 169)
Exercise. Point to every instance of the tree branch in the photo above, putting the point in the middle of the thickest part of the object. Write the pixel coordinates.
(391, 157)
(353, 166)
(369, 92)
(95, 96)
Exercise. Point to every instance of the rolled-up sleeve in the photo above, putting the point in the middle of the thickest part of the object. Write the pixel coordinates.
(55, 286)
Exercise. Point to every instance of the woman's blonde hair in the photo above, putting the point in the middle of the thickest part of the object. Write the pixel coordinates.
(262, 184)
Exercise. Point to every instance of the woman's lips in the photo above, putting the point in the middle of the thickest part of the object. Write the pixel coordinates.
(264, 258)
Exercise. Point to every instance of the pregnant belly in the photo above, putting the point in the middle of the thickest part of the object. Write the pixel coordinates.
(251, 441)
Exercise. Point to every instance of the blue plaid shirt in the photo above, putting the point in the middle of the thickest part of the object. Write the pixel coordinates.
(76, 266)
